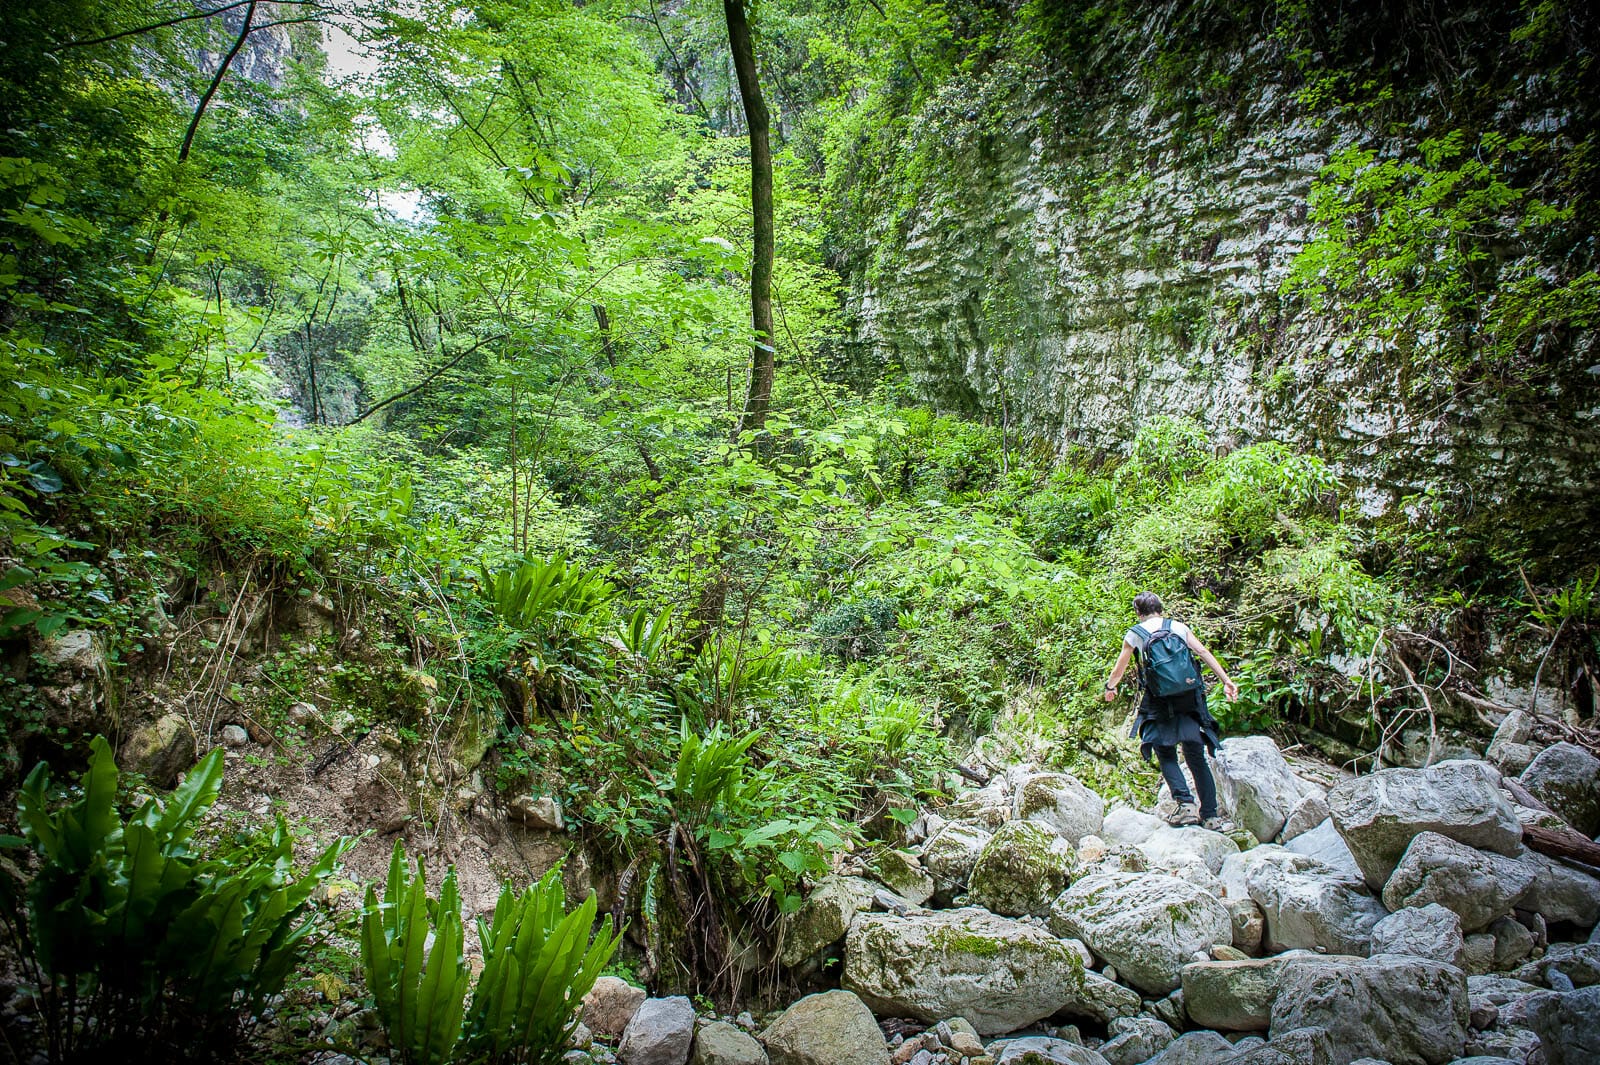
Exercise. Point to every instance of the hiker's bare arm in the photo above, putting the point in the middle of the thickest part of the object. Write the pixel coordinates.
(1117, 671)
(1229, 688)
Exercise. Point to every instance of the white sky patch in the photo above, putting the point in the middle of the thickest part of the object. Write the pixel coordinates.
(350, 63)
(348, 58)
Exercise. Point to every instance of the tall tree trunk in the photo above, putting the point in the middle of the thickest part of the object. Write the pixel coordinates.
(763, 363)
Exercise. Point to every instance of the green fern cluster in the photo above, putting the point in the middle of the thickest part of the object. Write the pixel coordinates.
(550, 595)
(539, 962)
(129, 937)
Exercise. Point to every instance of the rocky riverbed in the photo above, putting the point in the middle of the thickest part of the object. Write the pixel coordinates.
(1393, 917)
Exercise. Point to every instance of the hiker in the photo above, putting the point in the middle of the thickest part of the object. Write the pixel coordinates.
(1173, 711)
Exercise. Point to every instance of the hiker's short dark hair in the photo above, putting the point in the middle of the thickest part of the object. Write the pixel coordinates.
(1147, 603)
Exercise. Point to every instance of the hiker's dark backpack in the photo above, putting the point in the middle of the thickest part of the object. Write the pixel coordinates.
(1166, 664)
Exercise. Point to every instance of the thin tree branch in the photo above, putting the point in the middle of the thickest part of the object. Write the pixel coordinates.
(288, 22)
(904, 46)
(166, 23)
(683, 73)
(216, 82)
(425, 382)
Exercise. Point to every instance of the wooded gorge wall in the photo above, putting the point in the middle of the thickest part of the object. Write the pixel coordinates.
(1075, 241)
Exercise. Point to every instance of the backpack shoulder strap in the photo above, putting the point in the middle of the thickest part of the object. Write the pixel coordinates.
(1166, 624)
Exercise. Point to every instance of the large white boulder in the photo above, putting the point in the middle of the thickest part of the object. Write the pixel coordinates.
(1323, 842)
(833, 1028)
(1429, 931)
(1256, 786)
(1061, 803)
(1381, 813)
(1176, 850)
(1566, 778)
(1407, 1011)
(1559, 893)
(998, 973)
(952, 852)
(1237, 996)
(1309, 906)
(1124, 824)
(1146, 925)
(1477, 885)
(1021, 870)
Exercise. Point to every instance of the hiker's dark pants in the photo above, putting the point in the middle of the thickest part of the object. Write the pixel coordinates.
(1195, 754)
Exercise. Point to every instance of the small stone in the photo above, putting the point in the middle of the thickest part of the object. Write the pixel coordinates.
(1310, 1045)
(541, 814)
(831, 1028)
(1513, 942)
(1171, 1010)
(1306, 815)
(1249, 924)
(1477, 954)
(1136, 1040)
(720, 1043)
(1199, 1048)
(660, 1033)
(234, 736)
(301, 713)
(610, 1005)
(965, 1044)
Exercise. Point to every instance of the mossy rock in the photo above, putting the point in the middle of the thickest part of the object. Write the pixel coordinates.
(1021, 870)
(901, 873)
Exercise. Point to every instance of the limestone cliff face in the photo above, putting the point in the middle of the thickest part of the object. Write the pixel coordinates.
(1090, 261)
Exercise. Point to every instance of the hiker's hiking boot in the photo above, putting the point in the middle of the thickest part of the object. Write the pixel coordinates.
(1186, 815)
(1217, 824)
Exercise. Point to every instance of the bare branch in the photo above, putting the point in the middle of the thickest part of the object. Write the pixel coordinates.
(175, 20)
(425, 382)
